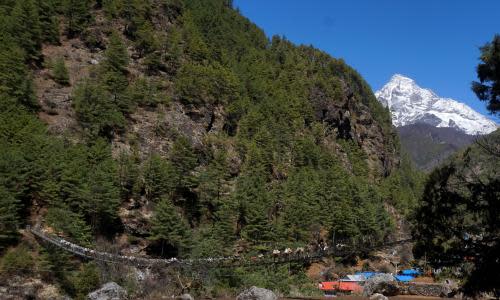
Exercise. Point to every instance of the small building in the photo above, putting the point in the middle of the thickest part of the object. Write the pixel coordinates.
(411, 272)
(340, 286)
(404, 278)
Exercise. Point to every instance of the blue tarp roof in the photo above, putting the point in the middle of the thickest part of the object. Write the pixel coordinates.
(404, 278)
(412, 272)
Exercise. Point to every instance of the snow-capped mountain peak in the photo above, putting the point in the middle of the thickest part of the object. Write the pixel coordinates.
(410, 104)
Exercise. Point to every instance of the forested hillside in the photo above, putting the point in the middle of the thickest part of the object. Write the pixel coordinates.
(177, 128)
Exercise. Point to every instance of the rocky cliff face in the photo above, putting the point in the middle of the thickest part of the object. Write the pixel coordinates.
(154, 129)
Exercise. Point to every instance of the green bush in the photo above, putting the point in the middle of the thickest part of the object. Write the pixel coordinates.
(147, 92)
(17, 261)
(64, 220)
(213, 84)
(85, 280)
(60, 72)
(96, 110)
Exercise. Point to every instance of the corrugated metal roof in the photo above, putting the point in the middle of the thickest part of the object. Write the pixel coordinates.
(341, 286)
(355, 278)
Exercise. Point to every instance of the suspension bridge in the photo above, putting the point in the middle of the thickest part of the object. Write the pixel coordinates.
(339, 250)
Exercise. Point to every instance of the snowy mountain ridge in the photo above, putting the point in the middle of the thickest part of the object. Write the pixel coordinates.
(411, 104)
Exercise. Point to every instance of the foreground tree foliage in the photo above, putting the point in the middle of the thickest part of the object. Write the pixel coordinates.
(488, 73)
(459, 218)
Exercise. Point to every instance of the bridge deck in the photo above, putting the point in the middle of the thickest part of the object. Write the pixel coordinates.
(231, 261)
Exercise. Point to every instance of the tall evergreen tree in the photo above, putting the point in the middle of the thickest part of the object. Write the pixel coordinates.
(9, 218)
(26, 29)
(213, 182)
(60, 72)
(158, 177)
(116, 56)
(169, 228)
(15, 83)
(77, 13)
(113, 72)
(49, 21)
(95, 110)
(183, 159)
(488, 73)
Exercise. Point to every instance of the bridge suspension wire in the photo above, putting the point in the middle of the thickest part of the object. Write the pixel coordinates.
(219, 262)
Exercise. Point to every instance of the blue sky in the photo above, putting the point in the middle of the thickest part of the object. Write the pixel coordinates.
(434, 42)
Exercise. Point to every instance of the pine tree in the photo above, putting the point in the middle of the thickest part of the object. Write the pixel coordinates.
(345, 221)
(60, 72)
(213, 181)
(26, 29)
(253, 203)
(78, 16)
(195, 48)
(225, 227)
(113, 72)
(15, 82)
(135, 13)
(110, 8)
(158, 178)
(9, 218)
(128, 173)
(488, 87)
(174, 50)
(104, 198)
(63, 219)
(95, 110)
(116, 56)
(184, 160)
(147, 39)
(49, 21)
(147, 91)
(169, 228)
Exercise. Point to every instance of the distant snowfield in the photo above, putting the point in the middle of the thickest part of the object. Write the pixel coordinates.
(410, 104)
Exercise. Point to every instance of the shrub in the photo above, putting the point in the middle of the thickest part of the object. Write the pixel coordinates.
(85, 280)
(17, 261)
(60, 72)
(200, 84)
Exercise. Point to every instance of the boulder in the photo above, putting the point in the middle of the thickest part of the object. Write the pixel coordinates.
(185, 297)
(256, 293)
(378, 296)
(109, 291)
(450, 288)
(384, 284)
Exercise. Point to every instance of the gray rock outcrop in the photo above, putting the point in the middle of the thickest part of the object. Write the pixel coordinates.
(378, 296)
(109, 291)
(384, 284)
(450, 288)
(185, 297)
(255, 293)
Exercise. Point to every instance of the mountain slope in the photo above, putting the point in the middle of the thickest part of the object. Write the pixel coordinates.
(429, 146)
(410, 104)
(178, 129)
